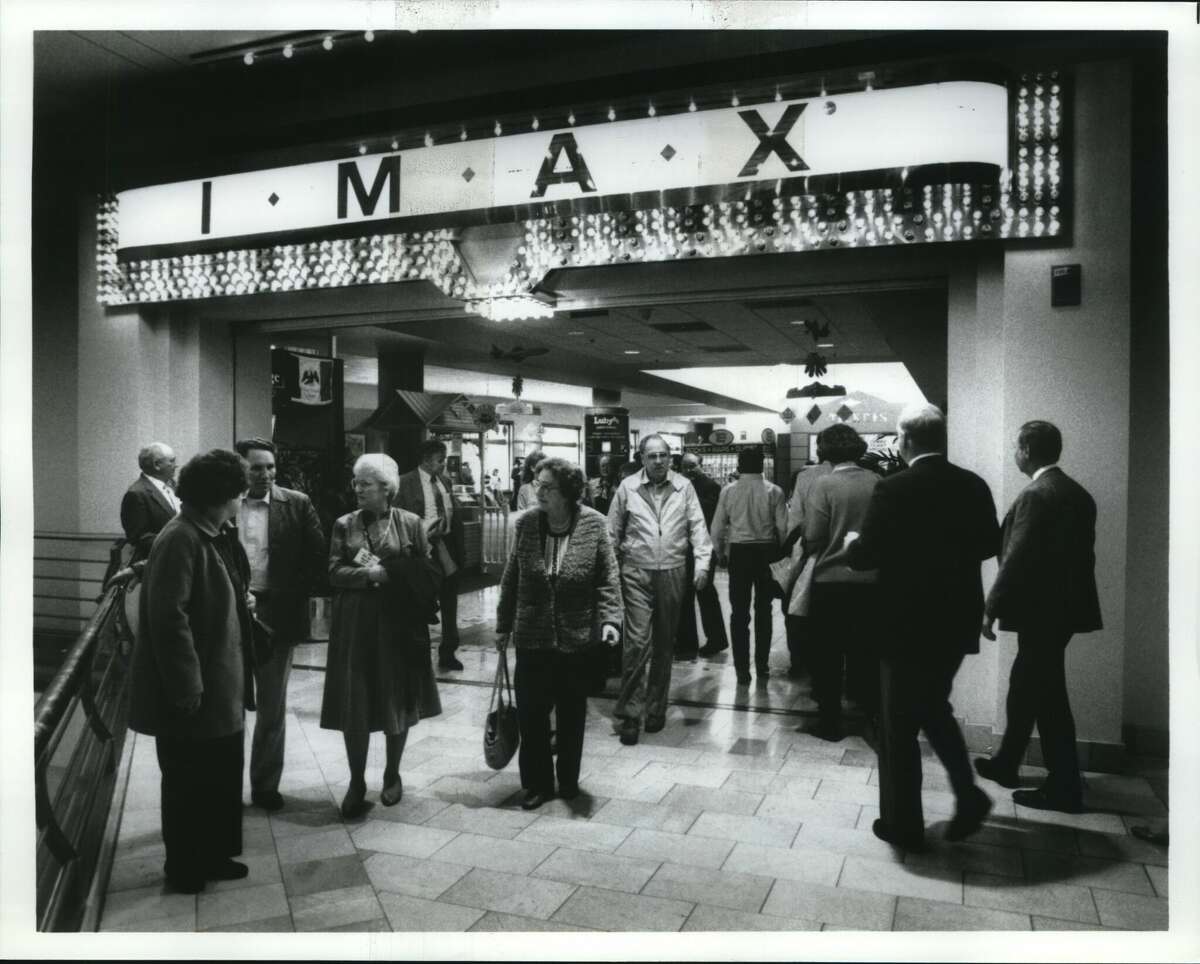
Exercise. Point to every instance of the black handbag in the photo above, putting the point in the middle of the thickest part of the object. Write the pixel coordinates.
(501, 733)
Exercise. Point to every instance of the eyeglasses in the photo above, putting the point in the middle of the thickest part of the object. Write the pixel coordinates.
(363, 483)
(544, 486)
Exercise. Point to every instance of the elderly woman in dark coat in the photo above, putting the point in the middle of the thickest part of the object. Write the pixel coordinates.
(379, 671)
(560, 597)
(192, 674)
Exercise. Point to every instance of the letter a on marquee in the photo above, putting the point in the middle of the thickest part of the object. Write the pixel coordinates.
(577, 172)
(773, 140)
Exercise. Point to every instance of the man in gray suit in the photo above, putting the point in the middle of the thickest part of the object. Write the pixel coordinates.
(1045, 591)
(287, 550)
(428, 492)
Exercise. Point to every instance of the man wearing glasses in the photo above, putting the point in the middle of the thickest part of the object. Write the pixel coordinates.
(655, 522)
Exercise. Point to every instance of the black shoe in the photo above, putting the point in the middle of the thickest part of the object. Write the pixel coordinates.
(534, 799)
(568, 793)
(711, 649)
(913, 844)
(267, 799)
(448, 663)
(1041, 799)
(969, 815)
(743, 679)
(354, 802)
(655, 726)
(227, 870)
(185, 885)
(629, 735)
(989, 769)
(829, 730)
(392, 791)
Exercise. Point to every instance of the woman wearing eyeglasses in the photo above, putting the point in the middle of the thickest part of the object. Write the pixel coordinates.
(560, 598)
(379, 671)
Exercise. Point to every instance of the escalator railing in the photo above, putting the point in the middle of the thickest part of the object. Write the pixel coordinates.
(79, 732)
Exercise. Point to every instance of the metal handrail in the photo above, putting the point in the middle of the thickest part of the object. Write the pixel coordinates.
(66, 859)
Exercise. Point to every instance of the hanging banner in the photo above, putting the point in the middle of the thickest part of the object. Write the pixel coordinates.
(303, 379)
(960, 122)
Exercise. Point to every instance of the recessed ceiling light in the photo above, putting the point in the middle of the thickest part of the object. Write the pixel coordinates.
(825, 344)
(574, 332)
(797, 322)
(632, 351)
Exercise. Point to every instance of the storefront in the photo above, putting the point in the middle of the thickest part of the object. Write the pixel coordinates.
(999, 184)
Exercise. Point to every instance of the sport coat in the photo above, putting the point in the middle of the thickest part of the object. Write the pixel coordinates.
(411, 496)
(1047, 576)
(144, 511)
(709, 493)
(927, 530)
(297, 553)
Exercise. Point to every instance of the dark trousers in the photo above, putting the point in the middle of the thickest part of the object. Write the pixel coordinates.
(687, 642)
(201, 802)
(448, 616)
(546, 680)
(749, 572)
(1037, 693)
(843, 625)
(915, 697)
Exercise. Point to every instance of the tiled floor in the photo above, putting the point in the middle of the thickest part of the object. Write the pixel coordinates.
(730, 819)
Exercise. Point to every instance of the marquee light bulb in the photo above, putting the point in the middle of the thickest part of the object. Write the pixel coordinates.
(462, 136)
(734, 102)
(362, 148)
(327, 43)
(691, 105)
(395, 144)
(248, 58)
(428, 139)
(612, 114)
(571, 118)
(369, 36)
(288, 50)
(498, 129)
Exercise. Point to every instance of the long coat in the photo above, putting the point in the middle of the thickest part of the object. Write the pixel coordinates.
(567, 612)
(189, 637)
(1047, 574)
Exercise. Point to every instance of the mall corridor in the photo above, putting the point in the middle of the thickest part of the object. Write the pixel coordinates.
(730, 819)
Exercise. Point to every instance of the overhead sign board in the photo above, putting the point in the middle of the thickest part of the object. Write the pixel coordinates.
(946, 123)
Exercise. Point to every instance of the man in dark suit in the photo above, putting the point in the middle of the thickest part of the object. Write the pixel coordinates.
(287, 550)
(150, 503)
(426, 490)
(687, 643)
(1045, 592)
(927, 530)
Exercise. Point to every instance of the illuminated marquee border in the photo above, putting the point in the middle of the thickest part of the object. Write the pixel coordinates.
(938, 204)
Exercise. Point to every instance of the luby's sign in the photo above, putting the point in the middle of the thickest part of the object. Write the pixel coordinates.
(525, 175)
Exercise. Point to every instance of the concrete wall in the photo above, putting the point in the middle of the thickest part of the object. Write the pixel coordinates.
(1013, 358)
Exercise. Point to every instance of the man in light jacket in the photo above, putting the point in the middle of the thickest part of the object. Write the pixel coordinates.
(655, 521)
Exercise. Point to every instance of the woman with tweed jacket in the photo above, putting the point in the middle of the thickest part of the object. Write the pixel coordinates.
(560, 597)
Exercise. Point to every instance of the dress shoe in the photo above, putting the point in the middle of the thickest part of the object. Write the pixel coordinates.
(568, 793)
(1041, 799)
(449, 663)
(969, 815)
(743, 679)
(267, 799)
(629, 735)
(355, 801)
(989, 769)
(913, 844)
(711, 649)
(392, 791)
(655, 726)
(829, 730)
(534, 799)
(227, 870)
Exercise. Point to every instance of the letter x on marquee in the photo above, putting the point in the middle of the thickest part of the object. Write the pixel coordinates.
(773, 140)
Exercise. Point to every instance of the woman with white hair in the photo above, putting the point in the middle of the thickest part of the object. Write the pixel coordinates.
(379, 671)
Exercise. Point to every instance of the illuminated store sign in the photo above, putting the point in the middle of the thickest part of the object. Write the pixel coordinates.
(963, 122)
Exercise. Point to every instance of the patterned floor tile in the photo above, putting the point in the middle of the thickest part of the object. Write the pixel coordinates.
(1060, 900)
(916, 914)
(1131, 911)
(609, 910)
(482, 820)
(236, 906)
(415, 914)
(400, 838)
(493, 853)
(808, 865)
(315, 876)
(145, 904)
(576, 834)
(718, 888)
(492, 921)
(411, 876)
(708, 918)
(1088, 872)
(333, 908)
(508, 893)
(839, 906)
(613, 872)
(833, 813)
(658, 845)
(769, 831)
(903, 880)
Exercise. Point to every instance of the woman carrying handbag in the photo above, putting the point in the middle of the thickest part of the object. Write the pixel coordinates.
(559, 598)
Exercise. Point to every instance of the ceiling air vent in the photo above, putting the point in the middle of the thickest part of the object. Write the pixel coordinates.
(722, 349)
(675, 327)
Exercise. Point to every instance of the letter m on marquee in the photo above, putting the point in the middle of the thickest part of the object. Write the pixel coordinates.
(387, 175)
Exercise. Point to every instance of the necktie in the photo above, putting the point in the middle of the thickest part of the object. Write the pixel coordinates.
(438, 500)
